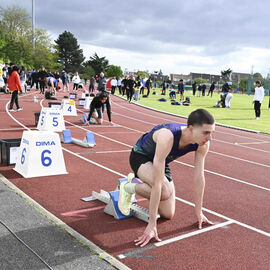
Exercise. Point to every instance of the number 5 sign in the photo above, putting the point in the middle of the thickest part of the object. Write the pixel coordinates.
(51, 119)
(40, 155)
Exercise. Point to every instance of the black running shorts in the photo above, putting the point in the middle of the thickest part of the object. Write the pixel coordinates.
(137, 159)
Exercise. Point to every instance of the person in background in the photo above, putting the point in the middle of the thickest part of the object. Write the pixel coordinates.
(119, 85)
(181, 89)
(211, 89)
(64, 79)
(130, 88)
(203, 89)
(258, 99)
(113, 85)
(5, 76)
(14, 86)
(42, 75)
(194, 88)
(23, 79)
(76, 80)
(101, 82)
(92, 84)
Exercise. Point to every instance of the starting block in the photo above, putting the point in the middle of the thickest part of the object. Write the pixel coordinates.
(111, 200)
(88, 141)
(84, 119)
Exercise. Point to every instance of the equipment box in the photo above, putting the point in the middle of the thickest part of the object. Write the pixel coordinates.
(9, 150)
(37, 114)
(73, 96)
(55, 105)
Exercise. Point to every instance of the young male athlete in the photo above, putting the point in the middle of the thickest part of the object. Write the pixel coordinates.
(150, 158)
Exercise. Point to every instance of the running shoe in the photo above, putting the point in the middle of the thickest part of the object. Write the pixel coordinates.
(19, 109)
(11, 110)
(125, 198)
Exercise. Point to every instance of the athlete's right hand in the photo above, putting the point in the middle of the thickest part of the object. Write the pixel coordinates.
(149, 233)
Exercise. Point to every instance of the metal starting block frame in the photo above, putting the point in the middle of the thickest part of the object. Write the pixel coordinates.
(88, 141)
(112, 198)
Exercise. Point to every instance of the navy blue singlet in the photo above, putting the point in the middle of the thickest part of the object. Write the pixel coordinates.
(146, 145)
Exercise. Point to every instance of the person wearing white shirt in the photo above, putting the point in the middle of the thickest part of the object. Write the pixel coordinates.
(119, 84)
(113, 85)
(258, 98)
(76, 81)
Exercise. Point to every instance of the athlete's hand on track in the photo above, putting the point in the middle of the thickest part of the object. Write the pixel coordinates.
(202, 219)
(149, 233)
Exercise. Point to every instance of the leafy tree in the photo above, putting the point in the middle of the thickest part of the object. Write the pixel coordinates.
(243, 84)
(200, 80)
(70, 54)
(142, 74)
(88, 73)
(226, 75)
(114, 71)
(99, 64)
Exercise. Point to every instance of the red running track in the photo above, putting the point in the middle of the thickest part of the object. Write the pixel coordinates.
(236, 194)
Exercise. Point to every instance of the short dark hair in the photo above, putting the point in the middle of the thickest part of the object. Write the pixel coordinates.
(258, 82)
(103, 95)
(200, 117)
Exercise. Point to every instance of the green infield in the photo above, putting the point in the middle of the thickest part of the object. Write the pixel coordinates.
(241, 114)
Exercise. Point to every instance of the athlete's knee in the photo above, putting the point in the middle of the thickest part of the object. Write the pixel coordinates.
(167, 214)
(166, 192)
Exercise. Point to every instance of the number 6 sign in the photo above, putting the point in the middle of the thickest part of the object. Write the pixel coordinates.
(40, 155)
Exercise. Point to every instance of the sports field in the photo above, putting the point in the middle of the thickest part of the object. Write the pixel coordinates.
(241, 114)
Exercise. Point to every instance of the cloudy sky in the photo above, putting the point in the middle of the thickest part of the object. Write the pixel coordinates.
(175, 36)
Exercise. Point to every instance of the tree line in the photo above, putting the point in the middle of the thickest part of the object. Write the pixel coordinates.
(63, 53)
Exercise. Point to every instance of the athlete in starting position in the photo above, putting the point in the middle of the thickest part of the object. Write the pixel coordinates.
(150, 158)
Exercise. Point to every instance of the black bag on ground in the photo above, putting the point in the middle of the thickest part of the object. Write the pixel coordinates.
(47, 95)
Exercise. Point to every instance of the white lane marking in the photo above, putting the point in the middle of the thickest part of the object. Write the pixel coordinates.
(177, 198)
(107, 152)
(187, 235)
(227, 218)
(225, 176)
(182, 116)
(244, 160)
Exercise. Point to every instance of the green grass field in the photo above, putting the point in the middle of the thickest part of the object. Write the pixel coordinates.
(241, 114)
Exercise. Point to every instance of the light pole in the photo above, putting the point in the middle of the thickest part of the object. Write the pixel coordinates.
(33, 25)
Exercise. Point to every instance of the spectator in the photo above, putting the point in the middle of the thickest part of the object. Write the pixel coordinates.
(199, 90)
(92, 84)
(76, 80)
(163, 88)
(113, 85)
(130, 88)
(194, 88)
(42, 75)
(101, 82)
(211, 89)
(181, 89)
(119, 85)
(5, 76)
(23, 79)
(148, 85)
(64, 79)
(258, 98)
(14, 87)
(203, 89)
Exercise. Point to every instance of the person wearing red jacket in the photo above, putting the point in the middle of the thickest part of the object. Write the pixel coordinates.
(14, 86)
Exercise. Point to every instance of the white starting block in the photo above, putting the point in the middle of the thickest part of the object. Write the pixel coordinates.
(87, 103)
(40, 154)
(88, 141)
(112, 198)
(69, 107)
(51, 119)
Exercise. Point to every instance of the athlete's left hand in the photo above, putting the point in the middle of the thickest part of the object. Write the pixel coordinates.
(202, 219)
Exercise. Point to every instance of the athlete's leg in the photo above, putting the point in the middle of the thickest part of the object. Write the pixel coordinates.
(167, 200)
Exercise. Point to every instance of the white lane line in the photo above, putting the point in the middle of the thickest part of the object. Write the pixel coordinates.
(177, 198)
(225, 176)
(182, 116)
(222, 141)
(197, 232)
(174, 239)
(227, 218)
(106, 152)
(240, 159)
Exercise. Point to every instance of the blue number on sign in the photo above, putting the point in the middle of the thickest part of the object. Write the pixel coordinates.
(69, 109)
(46, 161)
(42, 120)
(23, 156)
(55, 122)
